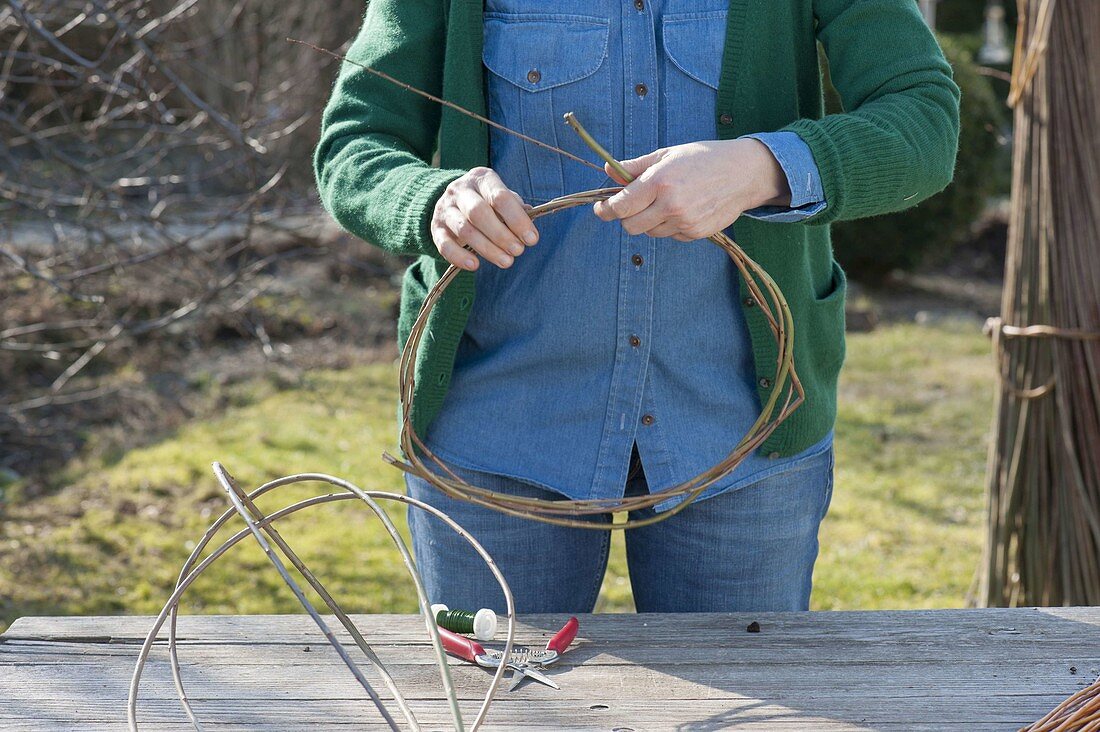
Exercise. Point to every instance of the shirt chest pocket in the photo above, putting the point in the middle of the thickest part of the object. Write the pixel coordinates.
(541, 66)
(692, 65)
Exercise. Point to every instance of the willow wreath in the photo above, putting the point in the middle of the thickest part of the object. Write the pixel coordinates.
(572, 512)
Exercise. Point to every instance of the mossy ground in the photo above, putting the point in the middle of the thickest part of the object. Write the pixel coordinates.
(904, 530)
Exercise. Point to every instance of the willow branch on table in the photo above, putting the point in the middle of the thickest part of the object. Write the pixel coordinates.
(261, 527)
(1080, 712)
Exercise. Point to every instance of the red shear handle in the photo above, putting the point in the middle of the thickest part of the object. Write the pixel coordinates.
(564, 637)
(461, 646)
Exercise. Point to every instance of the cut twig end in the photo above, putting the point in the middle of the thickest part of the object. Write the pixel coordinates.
(620, 171)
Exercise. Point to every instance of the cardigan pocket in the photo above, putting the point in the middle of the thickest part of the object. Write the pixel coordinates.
(693, 44)
(542, 65)
(828, 315)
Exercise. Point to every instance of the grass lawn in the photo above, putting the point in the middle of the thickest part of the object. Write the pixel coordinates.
(904, 530)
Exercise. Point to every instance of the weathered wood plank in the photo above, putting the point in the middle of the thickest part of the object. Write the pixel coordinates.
(1081, 656)
(878, 681)
(972, 670)
(871, 626)
(562, 714)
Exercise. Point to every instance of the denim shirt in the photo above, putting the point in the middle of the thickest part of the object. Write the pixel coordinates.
(595, 339)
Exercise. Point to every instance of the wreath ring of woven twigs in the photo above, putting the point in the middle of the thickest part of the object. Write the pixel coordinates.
(786, 395)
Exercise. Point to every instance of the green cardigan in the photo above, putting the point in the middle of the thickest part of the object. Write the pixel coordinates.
(893, 146)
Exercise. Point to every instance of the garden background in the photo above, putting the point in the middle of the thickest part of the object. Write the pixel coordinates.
(171, 294)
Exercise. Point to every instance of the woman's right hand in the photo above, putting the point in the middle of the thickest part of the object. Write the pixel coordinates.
(478, 211)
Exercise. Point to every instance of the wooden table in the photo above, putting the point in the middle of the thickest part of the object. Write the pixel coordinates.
(922, 670)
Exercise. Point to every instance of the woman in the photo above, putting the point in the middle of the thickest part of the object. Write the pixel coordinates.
(608, 350)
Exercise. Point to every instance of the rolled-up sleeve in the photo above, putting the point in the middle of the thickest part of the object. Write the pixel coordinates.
(803, 179)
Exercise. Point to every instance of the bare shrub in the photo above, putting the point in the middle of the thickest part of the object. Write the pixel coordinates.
(155, 158)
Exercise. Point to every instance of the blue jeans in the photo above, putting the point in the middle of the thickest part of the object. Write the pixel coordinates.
(748, 549)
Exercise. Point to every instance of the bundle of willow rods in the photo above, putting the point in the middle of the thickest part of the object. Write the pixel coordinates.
(1043, 546)
(261, 527)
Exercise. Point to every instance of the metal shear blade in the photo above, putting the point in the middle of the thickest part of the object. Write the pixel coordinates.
(519, 672)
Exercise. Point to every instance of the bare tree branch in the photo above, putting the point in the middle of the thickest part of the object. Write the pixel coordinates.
(151, 148)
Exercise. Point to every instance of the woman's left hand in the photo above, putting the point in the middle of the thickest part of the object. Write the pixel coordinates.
(692, 191)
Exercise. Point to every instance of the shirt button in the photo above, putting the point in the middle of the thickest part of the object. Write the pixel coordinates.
(765, 383)
(647, 419)
(749, 302)
(635, 341)
(637, 260)
(725, 119)
(534, 76)
(639, 4)
(641, 89)
(773, 456)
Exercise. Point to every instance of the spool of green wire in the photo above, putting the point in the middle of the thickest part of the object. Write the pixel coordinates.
(482, 624)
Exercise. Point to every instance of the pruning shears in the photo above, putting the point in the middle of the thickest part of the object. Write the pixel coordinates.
(524, 661)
